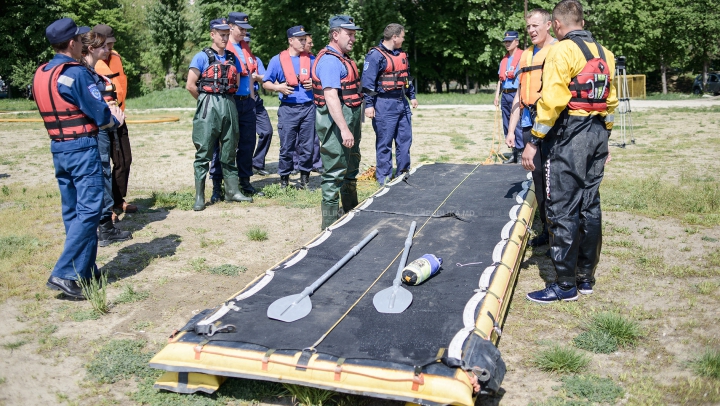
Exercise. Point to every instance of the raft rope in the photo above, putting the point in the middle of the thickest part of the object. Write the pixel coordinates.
(497, 140)
(314, 345)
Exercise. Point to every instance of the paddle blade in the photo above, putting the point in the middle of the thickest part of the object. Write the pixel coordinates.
(385, 302)
(283, 309)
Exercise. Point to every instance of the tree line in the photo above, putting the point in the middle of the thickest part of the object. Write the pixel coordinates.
(446, 40)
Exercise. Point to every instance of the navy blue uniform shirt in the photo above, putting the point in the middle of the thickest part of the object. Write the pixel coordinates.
(375, 63)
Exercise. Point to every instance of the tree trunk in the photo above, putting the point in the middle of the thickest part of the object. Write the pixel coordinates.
(705, 71)
(438, 86)
(467, 83)
(663, 74)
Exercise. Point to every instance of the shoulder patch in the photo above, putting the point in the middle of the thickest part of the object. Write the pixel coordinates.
(366, 65)
(94, 91)
(66, 80)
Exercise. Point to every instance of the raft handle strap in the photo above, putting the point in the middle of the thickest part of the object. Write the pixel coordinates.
(266, 358)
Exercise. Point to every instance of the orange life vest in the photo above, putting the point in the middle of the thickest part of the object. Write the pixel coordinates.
(350, 93)
(292, 78)
(219, 77)
(396, 74)
(531, 75)
(112, 68)
(62, 119)
(591, 87)
(509, 72)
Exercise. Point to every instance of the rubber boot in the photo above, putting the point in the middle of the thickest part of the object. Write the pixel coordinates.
(518, 158)
(329, 214)
(199, 195)
(348, 195)
(248, 188)
(304, 180)
(217, 194)
(233, 193)
(284, 181)
(513, 159)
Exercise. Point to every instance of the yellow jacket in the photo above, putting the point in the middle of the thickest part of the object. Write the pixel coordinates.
(563, 62)
(113, 68)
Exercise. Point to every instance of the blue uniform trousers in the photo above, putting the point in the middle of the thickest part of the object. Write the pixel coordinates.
(296, 128)
(79, 174)
(108, 199)
(392, 122)
(246, 141)
(506, 106)
(264, 133)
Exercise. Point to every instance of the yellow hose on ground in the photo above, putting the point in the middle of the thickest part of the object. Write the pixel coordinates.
(39, 120)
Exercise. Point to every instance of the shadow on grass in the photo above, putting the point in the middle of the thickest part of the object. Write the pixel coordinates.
(136, 257)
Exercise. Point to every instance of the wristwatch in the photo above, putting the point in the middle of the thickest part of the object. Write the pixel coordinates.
(535, 140)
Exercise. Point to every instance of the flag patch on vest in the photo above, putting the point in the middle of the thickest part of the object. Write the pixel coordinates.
(95, 92)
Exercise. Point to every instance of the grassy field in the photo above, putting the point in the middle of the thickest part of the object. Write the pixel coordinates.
(649, 335)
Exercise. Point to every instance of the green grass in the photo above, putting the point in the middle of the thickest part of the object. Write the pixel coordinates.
(626, 332)
(227, 270)
(560, 359)
(84, 315)
(95, 291)
(455, 98)
(708, 364)
(695, 201)
(17, 105)
(168, 98)
(256, 234)
(291, 197)
(592, 388)
(308, 396)
(671, 96)
(15, 344)
(597, 341)
(130, 295)
(706, 287)
(171, 200)
(120, 359)
(199, 264)
(11, 245)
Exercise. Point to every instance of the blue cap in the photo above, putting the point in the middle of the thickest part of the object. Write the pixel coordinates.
(346, 22)
(511, 36)
(240, 19)
(63, 30)
(296, 31)
(219, 24)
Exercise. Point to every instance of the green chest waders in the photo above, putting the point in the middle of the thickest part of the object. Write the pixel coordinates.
(341, 164)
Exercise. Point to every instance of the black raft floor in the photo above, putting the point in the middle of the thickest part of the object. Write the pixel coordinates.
(481, 196)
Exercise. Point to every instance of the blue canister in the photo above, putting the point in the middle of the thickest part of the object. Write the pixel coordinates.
(421, 269)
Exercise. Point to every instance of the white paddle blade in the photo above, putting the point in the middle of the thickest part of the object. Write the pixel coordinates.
(385, 302)
(285, 309)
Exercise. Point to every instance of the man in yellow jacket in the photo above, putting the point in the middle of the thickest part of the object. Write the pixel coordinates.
(120, 151)
(575, 112)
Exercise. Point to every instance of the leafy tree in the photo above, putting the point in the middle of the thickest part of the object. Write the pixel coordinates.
(169, 30)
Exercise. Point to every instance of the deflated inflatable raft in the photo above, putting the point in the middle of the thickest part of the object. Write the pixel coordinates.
(475, 217)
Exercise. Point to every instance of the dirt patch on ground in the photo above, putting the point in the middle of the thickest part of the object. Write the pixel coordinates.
(650, 268)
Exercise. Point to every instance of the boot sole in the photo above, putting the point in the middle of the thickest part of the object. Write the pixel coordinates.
(586, 292)
(569, 299)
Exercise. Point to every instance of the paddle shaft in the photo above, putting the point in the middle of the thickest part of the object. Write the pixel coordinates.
(403, 259)
(353, 251)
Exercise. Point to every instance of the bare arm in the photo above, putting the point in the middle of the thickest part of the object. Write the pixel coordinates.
(497, 93)
(191, 84)
(514, 119)
(335, 108)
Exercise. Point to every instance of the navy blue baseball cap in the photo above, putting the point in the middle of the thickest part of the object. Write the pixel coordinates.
(219, 24)
(63, 30)
(511, 36)
(346, 22)
(296, 31)
(240, 19)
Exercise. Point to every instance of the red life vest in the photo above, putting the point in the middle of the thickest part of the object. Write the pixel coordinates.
(292, 78)
(219, 77)
(62, 119)
(591, 87)
(396, 74)
(250, 65)
(109, 93)
(509, 72)
(350, 87)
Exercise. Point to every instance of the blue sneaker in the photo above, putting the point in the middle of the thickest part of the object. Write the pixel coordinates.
(585, 288)
(553, 293)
